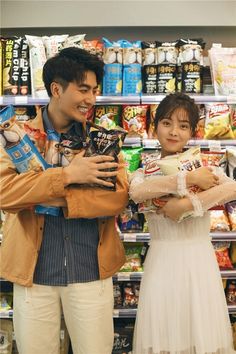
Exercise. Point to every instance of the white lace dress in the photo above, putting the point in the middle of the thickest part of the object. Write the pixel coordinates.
(182, 307)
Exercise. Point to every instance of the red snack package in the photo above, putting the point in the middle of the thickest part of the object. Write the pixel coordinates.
(222, 255)
(134, 120)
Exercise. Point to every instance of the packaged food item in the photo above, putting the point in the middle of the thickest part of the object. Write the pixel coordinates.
(222, 254)
(132, 158)
(231, 157)
(37, 60)
(73, 41)
(150, 123)
(130, 219)
(131, 295)
(231, 292)
(18, 145)
(24, 82)
(132, 61)
(54, 44)
(69, 146)
(94, 47)
(108, 117)
(149, 79)
(233, 253)
(214, 159)
(25, 113)
(113, 59)
(149, 52)
(191, 59)
(219, 220)
(11, 65)
(233, 118)
(6, 335)
(223, 70)
(217, 124)
(37, 136)
(118, 295)
(231, 210)
(104, 142)
(123, 339)
(233, 324)
(6, 301)
(134, 120)
(167, 54)
(200, 130)
(133, 259)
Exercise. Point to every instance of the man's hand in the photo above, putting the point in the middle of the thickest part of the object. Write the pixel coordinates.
(175, 208)
(83, 170)
(202, 177)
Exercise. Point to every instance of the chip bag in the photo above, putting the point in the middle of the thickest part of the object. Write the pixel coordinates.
(217, 124)
(134, 120)
(222, 254)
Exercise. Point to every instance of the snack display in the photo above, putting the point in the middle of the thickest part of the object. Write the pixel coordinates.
(167, 56)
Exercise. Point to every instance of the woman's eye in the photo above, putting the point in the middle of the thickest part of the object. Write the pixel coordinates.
(166, 123)
(184, 126)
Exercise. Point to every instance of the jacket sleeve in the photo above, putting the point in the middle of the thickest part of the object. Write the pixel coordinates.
(23, 191)
(142, 189)
(98, 202)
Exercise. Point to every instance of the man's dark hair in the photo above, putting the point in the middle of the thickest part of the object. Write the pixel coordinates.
(71, 65)
(177, 101)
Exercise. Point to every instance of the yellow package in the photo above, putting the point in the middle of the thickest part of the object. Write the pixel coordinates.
(218, 121)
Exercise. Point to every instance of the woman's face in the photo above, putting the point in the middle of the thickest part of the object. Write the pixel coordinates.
(174, 132)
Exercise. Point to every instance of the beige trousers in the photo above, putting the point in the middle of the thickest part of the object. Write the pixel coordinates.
(87, 309)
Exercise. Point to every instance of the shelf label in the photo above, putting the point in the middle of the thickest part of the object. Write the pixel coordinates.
(231, 99)
(130, 237)
(123, 276)
(21, 100)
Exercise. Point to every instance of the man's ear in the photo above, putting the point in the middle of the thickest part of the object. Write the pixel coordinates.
(56, 89)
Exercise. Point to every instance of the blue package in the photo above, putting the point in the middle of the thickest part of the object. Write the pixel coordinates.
(132, 69)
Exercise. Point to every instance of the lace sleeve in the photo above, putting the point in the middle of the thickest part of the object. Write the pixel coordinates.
(142, 189)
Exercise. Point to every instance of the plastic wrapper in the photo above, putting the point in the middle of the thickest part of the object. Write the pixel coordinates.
(73, 41)
(37, 60)
(191, 61)
(217, 124)
(222, 255)
(6, 301)
(233, 324)
(113, 59)
(24, 84)
(94, 47)
(118, 295)
(104, 142)
(231, 292)
(132, 157)
(69, 146)
(223, 70)
(11, 65)
(108, 117)
(167, 55)
(123, 339)
(231, 157)
(233, 253)
(134, 120)
(25, 113)
(133, 259)
(149, 53)
(231, 210)
(130, 219)
(132, 62)
(214, 159)
(149, 79)
(200, 130)
(6, 335)
(219, 220)
(150, 123)
(131, 295)
(54, 44)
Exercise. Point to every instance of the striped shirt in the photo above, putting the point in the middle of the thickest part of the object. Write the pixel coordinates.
(68, 253)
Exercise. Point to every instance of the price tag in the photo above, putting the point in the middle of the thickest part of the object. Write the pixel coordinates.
(115, 313)
(123, 276)
(231, 99)
(21, 100)
(214, 145)
(130, 237)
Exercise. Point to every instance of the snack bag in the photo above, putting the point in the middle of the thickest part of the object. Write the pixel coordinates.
(231, 292)
(11, 65)
(94, 47)
(231, 157)
(170, 165)
(133, 259)
(73, 41)
(6, 335)
(223, 70)
(54, 44)
(104, 142)
(132, 61)
(24, 82)
(130, 219)
(214, 159)
(113, 59)
(70, 146)
(231, 210)
(118, 299)
(108, 117)
(219, 220)
(200, 130)
(132, 157)
(222, 254)
(134, 120)
(167, 54)
(131, 295)
(233, 118)
(217, 124)
(123, 339)
(150, 123)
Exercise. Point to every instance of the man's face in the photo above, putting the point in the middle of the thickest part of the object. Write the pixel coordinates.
(76, 100)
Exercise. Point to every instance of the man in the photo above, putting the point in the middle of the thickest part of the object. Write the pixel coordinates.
(63, 263)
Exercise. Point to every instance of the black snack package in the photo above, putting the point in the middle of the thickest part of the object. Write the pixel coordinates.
(24, 82)
(167, 56)
(191, 60)
(69, 146)
(104, 142)
(149, 53)
(149, 79)
(11, 65)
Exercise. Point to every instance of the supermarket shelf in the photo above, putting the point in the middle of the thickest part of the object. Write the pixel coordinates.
(124, 313)
(232, 309)
(145, 236)
(132, 99)
(128, 276)
(228, 274)
(209, 143)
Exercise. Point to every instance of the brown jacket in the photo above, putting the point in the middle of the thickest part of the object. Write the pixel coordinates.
(23, 229)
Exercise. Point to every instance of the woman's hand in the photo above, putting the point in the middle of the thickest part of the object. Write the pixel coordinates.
(175, 208)
(202, 177)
